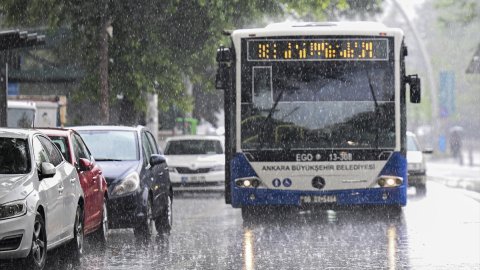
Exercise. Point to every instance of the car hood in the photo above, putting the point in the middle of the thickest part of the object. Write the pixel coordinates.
(15, 187)
(414, 157)
(113, 170)
(195, 161)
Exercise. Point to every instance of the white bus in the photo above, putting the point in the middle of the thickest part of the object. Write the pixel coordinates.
(315, 113)
(21, 114)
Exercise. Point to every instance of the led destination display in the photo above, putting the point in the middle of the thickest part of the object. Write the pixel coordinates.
(325, 49)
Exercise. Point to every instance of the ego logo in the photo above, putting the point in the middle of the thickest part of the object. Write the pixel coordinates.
(304, 157)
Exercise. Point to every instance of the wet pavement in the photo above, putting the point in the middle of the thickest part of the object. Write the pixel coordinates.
(439, 230)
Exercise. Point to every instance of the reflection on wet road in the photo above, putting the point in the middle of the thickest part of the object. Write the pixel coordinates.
(438, 231)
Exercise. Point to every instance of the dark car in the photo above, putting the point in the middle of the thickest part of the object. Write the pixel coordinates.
(93, 183)
(139, 190)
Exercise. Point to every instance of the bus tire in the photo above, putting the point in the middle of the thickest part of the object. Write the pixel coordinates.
(248, 213)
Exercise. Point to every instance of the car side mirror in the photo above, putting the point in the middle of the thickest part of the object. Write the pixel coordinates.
(84, 164)
(427, 151)
(47, 170)
(157, 160)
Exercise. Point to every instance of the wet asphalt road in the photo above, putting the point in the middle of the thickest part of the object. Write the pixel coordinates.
(440, 230)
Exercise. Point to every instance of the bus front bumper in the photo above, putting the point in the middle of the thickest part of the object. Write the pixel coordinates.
(373, 196)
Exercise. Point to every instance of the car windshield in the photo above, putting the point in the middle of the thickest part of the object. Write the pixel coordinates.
(62, 144)
(412, 144)
(111, 145)
(193, 147)
(14, 157)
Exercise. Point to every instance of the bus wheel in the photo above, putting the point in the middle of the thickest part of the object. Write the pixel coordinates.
(248, 213)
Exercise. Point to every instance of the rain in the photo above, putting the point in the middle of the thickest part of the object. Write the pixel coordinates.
(274, 134)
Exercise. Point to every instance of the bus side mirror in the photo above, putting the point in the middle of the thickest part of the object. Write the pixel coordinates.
(415, 88)
(223, 59)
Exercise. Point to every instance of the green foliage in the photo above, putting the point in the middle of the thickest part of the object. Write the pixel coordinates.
(158, 43)
(457, 11)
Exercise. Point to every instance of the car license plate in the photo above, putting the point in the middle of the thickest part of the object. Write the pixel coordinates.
(192, 179)
(318, 199)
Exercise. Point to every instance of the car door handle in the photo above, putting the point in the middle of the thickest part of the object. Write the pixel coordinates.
(60, 189)
(73, 180)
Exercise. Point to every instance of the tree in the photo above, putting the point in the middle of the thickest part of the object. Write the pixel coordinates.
(155, 43)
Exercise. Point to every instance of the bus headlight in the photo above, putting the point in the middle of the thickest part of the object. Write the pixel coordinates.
(389, 181)
(248, 182)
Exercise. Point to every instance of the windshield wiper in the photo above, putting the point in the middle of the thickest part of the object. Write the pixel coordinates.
(108, 159)
(377, 111)
(268, 118)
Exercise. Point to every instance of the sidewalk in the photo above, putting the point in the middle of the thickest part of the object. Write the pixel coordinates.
(448, 171)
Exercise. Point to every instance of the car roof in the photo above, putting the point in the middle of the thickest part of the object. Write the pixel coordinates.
(56, 131)
(107, 128)
(17, 133)
(195, 137)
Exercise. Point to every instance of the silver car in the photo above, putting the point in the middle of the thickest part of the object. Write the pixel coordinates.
(417, 176)
(41, 200)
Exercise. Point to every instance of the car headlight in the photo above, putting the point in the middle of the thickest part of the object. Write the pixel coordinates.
(129, 184)
(217, 168)
(13, 209)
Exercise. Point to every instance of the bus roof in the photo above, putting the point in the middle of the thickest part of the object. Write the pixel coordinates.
(366, 28)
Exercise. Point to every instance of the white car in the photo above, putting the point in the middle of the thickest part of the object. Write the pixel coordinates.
(41, 199)
(196, 163)
(416, 163)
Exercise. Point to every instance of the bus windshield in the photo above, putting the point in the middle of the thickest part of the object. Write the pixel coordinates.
(318, 105)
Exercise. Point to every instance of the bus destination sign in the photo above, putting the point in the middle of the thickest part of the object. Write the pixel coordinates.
(326, 49)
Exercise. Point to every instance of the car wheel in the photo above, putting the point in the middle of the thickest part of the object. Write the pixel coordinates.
(76, 244)
(147, 226)
(101, 235)
(38, 254)
(165, 221)
(421, 189)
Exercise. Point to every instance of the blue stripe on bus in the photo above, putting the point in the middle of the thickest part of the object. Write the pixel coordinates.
(396, 165)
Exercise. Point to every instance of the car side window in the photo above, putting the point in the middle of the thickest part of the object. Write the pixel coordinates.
(53, 153)
(39, 153)
(153, 143)
(147, 150)
(79, 148)
(218, 147)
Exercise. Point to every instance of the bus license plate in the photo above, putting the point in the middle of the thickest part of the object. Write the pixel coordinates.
(318, 199)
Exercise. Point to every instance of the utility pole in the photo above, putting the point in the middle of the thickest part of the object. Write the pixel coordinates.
(103, 71)
(9, 40)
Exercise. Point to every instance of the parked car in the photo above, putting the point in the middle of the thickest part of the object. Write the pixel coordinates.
(93, 183)
(139, 190)
(196, 162)
(417, 172)
(41, 200)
